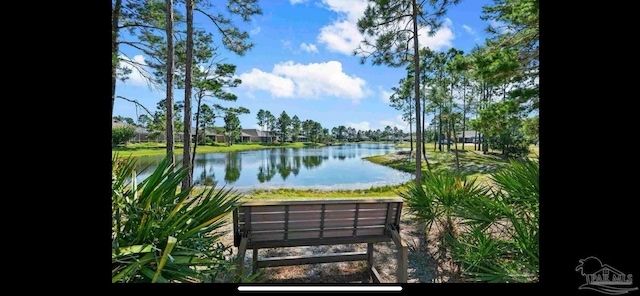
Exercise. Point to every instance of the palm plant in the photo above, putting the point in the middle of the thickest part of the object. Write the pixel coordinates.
(162, 234)
(501, 244)
(436, 199)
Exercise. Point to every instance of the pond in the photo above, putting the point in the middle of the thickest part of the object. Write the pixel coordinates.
(323, 168)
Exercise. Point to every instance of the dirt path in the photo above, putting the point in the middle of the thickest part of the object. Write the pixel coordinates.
(423, 266)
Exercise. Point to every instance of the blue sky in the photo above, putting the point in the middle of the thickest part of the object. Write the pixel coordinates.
(302, 64)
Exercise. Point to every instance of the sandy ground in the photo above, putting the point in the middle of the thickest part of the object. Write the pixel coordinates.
(426, 265)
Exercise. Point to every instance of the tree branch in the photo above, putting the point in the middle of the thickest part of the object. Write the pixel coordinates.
(391, 20)
(214, 22)
(139, 25)
(133, 44)
(137, 103)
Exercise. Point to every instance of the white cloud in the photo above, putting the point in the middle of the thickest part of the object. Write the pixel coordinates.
(395, 122)
(385, 96)
(294, 2)
(363, 126)
(441, 39)
(350, 10)
(135, 77)
(314, 80)
(258, 80)
(255, 31)
(343, 36)
(309, 48)
(468, 29)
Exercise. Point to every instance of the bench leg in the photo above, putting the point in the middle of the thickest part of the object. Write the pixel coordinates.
(402, 255)
(255, 261)
(370, 260)
(242, 249)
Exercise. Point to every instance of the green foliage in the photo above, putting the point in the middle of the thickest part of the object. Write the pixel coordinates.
(499, 227)
(512, 53)
(498, 238)
(121, 135)
(261, 116)
(502, 242)
(232, 127)
(270, 122)
(387, 21)
(208, 141)
(531, 129)
(296, 127)
(161, 234)
(436, 198)
(283, 124)
(501, 125)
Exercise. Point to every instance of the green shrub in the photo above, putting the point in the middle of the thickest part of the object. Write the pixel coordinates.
(501, 244)
(208, 141)
(498, 238)
(436, 199)
(161, 234)
(121, 135)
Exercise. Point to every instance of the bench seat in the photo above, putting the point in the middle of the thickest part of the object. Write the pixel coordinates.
(274, 224)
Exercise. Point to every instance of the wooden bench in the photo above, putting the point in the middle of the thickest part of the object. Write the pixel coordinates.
(276, 224)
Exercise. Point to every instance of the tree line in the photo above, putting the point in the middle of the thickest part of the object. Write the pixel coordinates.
(496, 83)
(180, 56)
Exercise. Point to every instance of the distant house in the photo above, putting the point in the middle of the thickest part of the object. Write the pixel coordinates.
(211, 134)
(258, 136)
(468, 137)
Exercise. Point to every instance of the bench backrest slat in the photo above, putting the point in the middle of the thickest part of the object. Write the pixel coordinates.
(314, 219)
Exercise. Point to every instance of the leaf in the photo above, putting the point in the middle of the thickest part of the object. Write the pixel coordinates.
(171, 242)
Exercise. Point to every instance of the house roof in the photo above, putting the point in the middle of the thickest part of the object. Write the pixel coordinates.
(256, 133)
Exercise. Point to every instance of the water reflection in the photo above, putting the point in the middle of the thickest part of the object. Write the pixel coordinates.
(320, 167)
(233, 166)
(313, 161)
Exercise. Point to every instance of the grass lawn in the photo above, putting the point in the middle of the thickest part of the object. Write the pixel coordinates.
(534, 150)
(472, 163)
(155, 149)
(289, 194)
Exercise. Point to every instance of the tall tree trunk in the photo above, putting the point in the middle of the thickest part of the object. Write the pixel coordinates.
(410, 132)
(115, 17)
(435, 137)
(476, 140)
(464, 114)
(424, 142)
(450, 120)
(195, 144)
(440, 127)
(186, 152)
(456, 149)
(416, 84)
(169, 102)
(485, 145)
